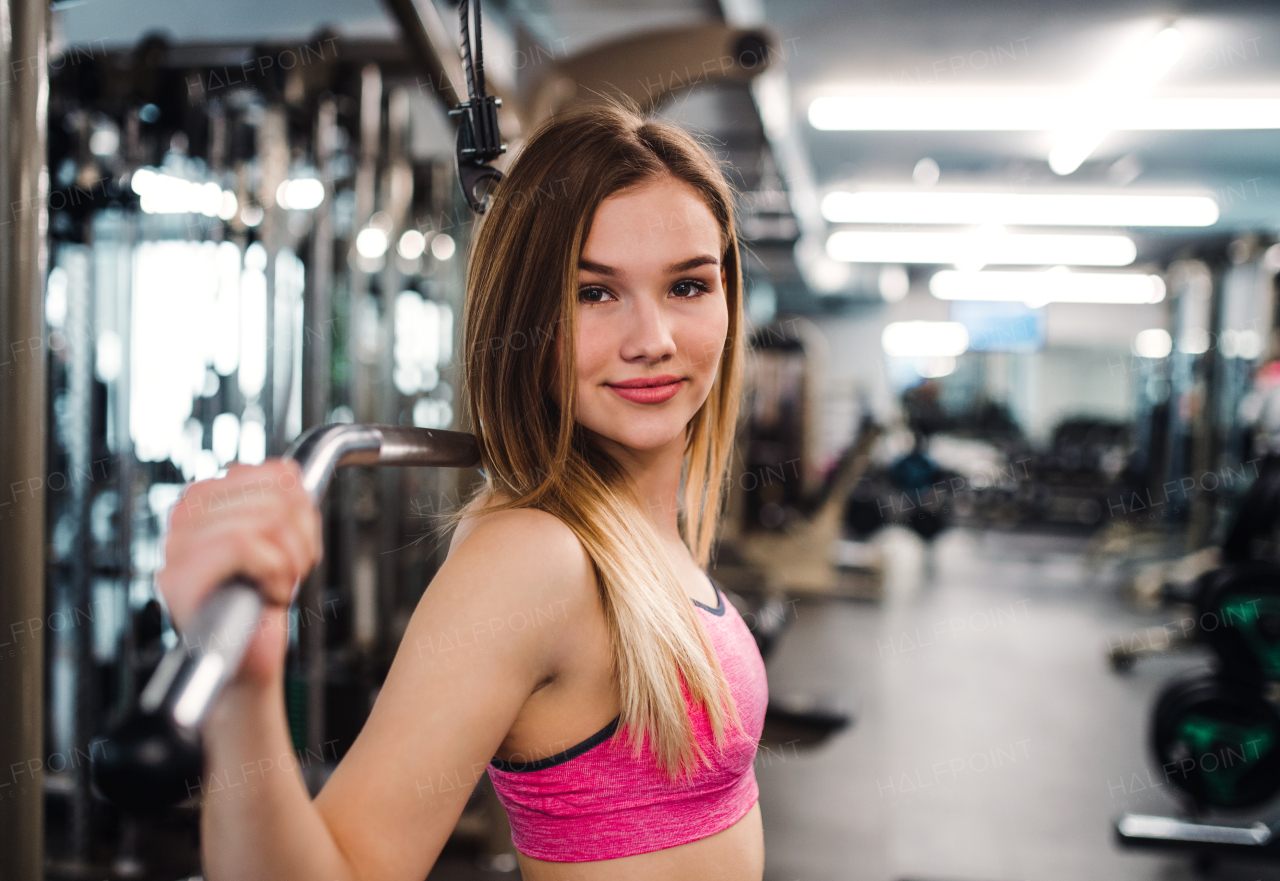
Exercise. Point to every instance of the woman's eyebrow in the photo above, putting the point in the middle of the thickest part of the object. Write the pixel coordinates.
(692, 262)
(597, 268)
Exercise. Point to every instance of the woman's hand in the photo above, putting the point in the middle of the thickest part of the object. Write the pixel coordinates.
(258, 522)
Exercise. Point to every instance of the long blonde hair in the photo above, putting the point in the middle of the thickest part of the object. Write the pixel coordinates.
(538, 456)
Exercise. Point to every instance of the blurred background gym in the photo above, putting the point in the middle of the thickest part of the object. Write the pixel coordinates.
(1005, 513)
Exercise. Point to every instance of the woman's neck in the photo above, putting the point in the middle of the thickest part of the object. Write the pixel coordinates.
(656, 474)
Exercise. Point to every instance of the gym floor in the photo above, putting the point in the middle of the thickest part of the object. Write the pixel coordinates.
(993, 741)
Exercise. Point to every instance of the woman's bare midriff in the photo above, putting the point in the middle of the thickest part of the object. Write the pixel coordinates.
(733, 854)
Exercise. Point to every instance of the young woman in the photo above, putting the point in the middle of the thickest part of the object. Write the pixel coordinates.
(571, 643)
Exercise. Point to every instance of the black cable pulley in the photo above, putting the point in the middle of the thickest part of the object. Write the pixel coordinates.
(479, 140)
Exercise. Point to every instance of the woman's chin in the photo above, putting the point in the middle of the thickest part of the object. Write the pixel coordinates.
(645, 438)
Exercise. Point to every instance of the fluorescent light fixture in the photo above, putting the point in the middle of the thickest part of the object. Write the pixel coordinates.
(936, 367)
(1057, 285)
(371, 243)
(1102, 106)
(1019, 209)
(924, 339)
(300, 194)
(161, 193)
(432, 413)
(1194, 341)
(1031, 112)
(442, 246)
(229, 206)
(226, 437)
(1154, 342)
(104, 141)
(976, 249)
(926, 172)
(417, 343)
(1271, 258)
(411, 245)
(110, 356)
(1245, 344)
(894, 283)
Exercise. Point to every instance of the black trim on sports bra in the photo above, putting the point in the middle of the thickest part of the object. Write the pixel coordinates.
(719, 609)
(560, 758)
(604, 733)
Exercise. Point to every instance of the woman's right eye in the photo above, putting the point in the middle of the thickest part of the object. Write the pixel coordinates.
(592, 295)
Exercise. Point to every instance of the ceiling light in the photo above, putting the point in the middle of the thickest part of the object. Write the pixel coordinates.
(442, 246)
(936, 367)
(1125, 170)
(1194, 341)
(926, 172)
(229, 205)
(1019, 209)
(1031, 112)
(411, 244)
(301, 194)
(371, 243)
(924, 339)
(1100, 108)
(160, 193)
(1153, 343)
(894, 283)
(104, 141)
(979, 248)
(1057, 285)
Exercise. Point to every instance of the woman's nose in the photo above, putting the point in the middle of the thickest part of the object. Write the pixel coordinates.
(648, 333)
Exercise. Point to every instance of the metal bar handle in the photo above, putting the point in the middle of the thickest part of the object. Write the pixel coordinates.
(193, 672)
(144, 760)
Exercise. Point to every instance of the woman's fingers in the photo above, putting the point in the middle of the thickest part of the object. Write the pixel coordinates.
(245, 488)
(187, 578)
(296, 535)
(258, 521)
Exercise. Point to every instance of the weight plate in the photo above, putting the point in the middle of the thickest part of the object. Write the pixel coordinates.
(1218, 742)
(1238, 615)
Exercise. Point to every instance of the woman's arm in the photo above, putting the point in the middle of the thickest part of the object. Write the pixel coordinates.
(494, 623)
(500, 617)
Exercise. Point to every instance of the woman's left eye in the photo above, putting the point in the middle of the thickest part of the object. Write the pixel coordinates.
(689, 289)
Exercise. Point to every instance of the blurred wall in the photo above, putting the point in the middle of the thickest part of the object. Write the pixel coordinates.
(1086, 368)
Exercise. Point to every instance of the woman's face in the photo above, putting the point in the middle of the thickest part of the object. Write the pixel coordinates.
(652, 314)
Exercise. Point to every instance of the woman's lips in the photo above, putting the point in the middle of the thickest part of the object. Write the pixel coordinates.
(652, 394)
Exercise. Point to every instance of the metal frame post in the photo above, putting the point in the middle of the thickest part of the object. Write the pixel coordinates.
(24, 100)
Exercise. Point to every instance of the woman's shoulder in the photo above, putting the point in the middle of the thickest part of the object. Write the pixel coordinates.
(520, 531)
(521, 558)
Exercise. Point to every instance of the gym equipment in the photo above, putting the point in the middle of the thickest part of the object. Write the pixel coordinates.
(1255, 530)
(797, 558)
(1217, 741)
(1239, 618)
(914, 491)
(914, 475)
(1234, 607)
(1171, 584)
(146, 762)
(1216, 738)
(479, 140)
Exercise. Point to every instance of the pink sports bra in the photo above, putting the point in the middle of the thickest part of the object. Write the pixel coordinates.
(595, 802)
